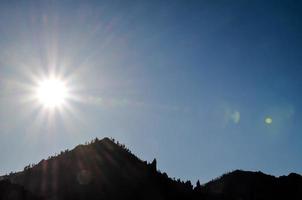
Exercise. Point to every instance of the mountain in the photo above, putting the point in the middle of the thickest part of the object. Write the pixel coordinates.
(106, 169)
(102, 169)
(253, 186)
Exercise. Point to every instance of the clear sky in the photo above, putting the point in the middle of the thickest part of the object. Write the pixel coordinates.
(204, 86)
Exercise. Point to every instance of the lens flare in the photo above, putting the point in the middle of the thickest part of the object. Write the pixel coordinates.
(268, 120)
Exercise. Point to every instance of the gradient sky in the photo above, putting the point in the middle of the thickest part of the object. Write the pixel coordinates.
(187, 82)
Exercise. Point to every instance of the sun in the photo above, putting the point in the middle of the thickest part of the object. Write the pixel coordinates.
(52, 93)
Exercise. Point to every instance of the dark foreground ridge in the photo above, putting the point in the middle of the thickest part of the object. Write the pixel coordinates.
(105, 169)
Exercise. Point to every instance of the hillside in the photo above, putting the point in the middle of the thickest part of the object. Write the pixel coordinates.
(9, 191)
(253, 186)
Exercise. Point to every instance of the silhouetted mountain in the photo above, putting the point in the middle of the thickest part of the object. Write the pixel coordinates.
(105, 169)
(102, 169)
(253, 186)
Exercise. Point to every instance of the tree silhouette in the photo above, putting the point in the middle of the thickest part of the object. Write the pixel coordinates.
(198, 186)
(153, 165)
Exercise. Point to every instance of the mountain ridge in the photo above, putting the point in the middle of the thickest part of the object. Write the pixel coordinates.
(107, 169)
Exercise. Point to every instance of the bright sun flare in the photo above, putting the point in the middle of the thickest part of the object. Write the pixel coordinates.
(52, 93)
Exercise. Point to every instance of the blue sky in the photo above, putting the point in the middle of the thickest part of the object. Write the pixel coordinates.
(187, 82)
